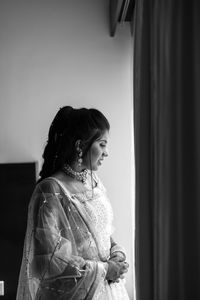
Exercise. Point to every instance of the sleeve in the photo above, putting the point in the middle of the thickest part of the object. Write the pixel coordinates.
(56, 261)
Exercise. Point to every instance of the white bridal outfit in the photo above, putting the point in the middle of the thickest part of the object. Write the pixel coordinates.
(67, 245)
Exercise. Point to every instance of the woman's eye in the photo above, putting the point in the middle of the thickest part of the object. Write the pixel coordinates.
(102, 145)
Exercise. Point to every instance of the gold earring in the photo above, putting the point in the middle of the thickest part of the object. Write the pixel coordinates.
(80, 160)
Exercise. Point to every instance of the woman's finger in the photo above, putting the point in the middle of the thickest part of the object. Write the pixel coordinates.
(126, 264)
(125, 271)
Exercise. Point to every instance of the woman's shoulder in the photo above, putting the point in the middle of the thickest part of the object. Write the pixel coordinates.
(49, 191)
(48, 185)
(57, 184)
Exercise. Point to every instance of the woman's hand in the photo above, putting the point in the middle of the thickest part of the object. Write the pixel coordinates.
(116, 270)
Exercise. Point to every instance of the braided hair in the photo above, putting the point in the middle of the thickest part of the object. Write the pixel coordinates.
(68, 126)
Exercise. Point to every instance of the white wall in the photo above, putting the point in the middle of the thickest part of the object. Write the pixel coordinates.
(55, 53)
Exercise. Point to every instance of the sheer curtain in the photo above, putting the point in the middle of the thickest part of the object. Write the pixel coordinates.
(167, 148)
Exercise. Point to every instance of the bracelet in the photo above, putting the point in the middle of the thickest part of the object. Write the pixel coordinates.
(117, 248)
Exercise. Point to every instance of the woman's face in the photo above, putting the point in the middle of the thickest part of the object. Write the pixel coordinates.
(97, 153)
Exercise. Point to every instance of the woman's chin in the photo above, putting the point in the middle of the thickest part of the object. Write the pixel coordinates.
(94, 168)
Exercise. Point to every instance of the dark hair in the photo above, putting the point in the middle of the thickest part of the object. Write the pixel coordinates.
(68, 126)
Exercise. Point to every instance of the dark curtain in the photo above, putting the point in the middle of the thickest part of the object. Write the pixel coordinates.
(167, 149)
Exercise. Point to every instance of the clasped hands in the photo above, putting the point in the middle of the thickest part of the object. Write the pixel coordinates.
(117, 266)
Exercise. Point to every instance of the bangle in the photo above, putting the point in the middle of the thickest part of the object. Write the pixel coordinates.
(117, 248)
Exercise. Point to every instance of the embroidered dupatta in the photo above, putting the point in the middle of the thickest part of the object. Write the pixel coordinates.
(62, 257)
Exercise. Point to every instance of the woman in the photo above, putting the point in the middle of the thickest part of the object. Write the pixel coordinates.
(69, 252)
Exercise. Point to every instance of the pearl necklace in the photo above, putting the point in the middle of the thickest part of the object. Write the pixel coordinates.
(80, 176)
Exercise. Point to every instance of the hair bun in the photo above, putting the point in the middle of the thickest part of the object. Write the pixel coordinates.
(61, 118)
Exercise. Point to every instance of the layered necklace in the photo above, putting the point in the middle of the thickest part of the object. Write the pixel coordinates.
(80, 176)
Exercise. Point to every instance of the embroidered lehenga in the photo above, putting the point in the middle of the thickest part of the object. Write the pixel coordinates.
(66, 246)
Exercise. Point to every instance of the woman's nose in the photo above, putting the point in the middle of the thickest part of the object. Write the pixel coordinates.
(105, 153)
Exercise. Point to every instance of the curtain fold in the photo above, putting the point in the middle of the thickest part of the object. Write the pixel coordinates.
(167, 149)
